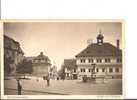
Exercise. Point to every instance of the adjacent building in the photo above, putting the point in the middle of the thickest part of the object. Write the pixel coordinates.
(101, 59)
(41, 65)
(13, 55)
(70, 68)
(53, 72)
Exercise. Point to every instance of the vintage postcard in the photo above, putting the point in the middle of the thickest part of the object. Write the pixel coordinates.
(69, 59)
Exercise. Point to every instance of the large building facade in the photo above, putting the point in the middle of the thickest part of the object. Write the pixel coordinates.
(13, 55)
(100, 59)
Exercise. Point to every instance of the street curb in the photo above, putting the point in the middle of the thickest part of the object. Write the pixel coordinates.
(39, 91)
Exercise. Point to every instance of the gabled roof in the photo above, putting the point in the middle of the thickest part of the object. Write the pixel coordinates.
(103, 50)
(70, 63)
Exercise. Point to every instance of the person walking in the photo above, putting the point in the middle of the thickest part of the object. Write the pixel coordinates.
(57, 78)
(48, 80)
(19, 86)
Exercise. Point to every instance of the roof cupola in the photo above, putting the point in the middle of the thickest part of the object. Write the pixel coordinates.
(100, 38)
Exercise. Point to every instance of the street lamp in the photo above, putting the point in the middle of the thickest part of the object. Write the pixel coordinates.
(93, 70)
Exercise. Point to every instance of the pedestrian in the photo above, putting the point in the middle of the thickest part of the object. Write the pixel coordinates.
(57, 78)
(19, 86)
(63, 77)
(48, 80)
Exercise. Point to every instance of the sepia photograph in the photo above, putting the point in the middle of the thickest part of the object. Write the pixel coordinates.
(63, 57)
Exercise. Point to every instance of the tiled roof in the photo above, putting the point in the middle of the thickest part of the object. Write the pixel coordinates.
(103, 50)
(70, 63)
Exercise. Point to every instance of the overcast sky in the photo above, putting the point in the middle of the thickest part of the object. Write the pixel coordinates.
(60, 40)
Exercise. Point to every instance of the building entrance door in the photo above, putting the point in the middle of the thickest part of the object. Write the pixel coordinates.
(75, 76)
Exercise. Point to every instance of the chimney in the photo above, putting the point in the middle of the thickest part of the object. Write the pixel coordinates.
(118, 44)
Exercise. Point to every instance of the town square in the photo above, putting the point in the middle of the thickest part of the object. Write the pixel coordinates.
(66, 58)
(65, 87)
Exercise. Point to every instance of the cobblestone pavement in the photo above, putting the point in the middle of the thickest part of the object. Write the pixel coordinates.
(72, 87)
(27, 92)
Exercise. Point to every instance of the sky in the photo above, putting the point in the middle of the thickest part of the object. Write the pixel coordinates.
(60, 40)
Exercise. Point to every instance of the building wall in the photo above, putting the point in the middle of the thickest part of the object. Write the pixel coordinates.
(69, 73)
(113, 64)
(40, 65)
(13, 55)
(40, 70)
(12, 51)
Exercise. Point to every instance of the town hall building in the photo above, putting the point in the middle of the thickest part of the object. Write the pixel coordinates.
(100, 59)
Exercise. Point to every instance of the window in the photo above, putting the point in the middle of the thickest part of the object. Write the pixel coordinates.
(82, 70)
(67, 74)
(103, 69)
(110, 70)
(90, 60)
(107, 60)
(74, 70)
(99, 60)
(82, 60)
(93, 70)
(97, 70)
(119, 60)
(89, 70)
(117, 69)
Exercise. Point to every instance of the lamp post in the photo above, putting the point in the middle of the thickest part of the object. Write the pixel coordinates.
(93, 70)
(106, 74)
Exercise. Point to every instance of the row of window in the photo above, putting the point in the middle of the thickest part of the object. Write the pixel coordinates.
(99, 60)
(102, 70)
